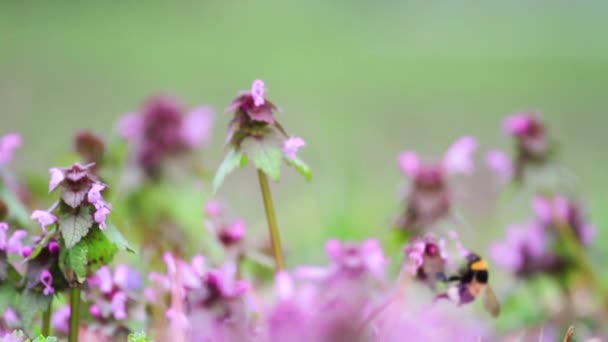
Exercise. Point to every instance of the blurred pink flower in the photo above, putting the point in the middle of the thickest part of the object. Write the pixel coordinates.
(459, 156)
(409, 163)
(197, 126)
(292, 145)
(57, 176)
(8, 144)
(100, 216)
(257, 92)
(44, 218)
(61, 320)
(254, 104)
(94, 196)
(12, 244)
(500, 163)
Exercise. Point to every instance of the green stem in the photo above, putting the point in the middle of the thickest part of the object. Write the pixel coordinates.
(272, 222)
(74, 314)
(46, 319)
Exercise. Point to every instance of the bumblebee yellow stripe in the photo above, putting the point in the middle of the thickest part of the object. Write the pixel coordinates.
(479, 265)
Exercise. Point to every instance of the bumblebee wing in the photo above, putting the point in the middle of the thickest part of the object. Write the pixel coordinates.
(490, 302)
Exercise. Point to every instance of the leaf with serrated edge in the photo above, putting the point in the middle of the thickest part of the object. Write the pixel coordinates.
(100, 249)
(116, 237)
(74, 227)
(77, 260)
(302, 167)
(265, 153)
(232, 160)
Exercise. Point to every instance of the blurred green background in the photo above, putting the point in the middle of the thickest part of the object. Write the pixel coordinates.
(359, 80)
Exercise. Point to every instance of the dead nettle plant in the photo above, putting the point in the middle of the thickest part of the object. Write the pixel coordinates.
(255, 135)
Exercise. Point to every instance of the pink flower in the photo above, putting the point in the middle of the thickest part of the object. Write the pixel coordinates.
(44, 218)
(257, 92)
(130, 126)
(426, 258)
(292, 145)
(523, 244)
(95, 311)
(103, 280)
(8, 144)
(94, 196)
(61, 320)
(100, 216)
(213, 209)
(409, 163)
(196, 127)
(361, 258)
(500, 163)
(46, 278)
(57, 176)
(459, 157)
(13, 243)
(119, 306)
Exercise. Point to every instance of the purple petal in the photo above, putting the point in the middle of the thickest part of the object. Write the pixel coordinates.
(587, 233)
(14, 244)
(8, 144)
(100, 216)
(94, 196)
(57, 176)
(121, 276)
(61, 319)
(44, 218)
(333, 248)
(119, 306)
(543, 208)
(213, 209)
(292, 145)
(516, 124)
(284, 285)
(459, 157)
(46, 278)
(196, 127)
(103, 279)
(258, 92)
(262, 114)
(198, 264)
(409, 163)
(499, 162)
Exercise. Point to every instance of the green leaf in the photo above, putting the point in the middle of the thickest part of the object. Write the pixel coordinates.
(15, 208)
(7, 296)
(74, 227)
(42, 244)
(73, 262)
(45, 339)
(265, 153)
(31, 304)
(138, 337)
(232, 160)
(100, 249)
(116, 237)
(302, 167)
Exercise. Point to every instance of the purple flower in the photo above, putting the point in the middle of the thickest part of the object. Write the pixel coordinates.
(559, 210)
(428, 199)
(523, 243)
(100, 216)
(119, 306)
(12, 244)
(459, 157)
(365, 257)
(213, 209)
(161, 129)
(426, 258)
(231, 234)
(257, 92)
(292, 145)
(8, 144)
(53, 247)
(196, 127)
(254, 104)
(94, 195)
(103, 280)
(95, 311)
(44, 218)
(57, 176)
(46, 278)
(61, 320)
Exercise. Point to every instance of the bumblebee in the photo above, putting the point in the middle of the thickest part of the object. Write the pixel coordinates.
(471, 282)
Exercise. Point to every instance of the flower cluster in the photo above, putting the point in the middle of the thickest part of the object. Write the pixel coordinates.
(533, 147)
(163, 128)
(429, 198)
(532, 248)
(229, 232)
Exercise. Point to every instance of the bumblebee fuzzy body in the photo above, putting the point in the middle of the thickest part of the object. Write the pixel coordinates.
(472, 281)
